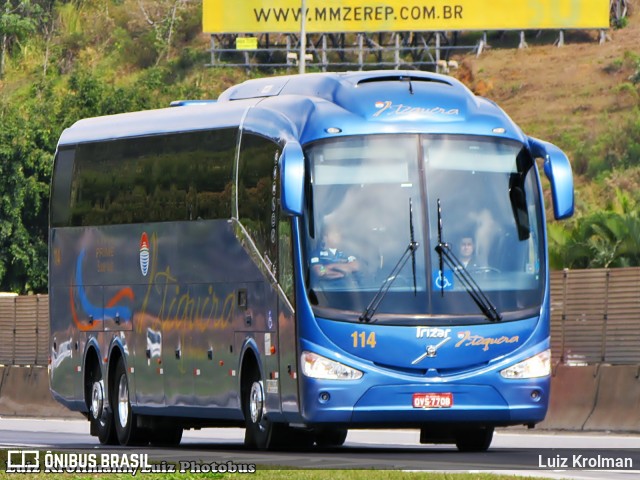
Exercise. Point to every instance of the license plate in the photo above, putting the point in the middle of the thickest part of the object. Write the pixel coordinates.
(432, 400)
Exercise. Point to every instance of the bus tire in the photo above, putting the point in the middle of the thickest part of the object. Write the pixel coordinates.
(260, 432)
(124, 419)
(331, 437)
(474, 439)
(100, 417)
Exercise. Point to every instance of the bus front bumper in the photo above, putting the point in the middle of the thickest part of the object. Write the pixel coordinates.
(519, 402)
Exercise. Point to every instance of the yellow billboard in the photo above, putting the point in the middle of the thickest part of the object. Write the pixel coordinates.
(332, 16)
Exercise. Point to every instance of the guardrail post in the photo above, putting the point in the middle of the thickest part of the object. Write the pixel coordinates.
(523, 42)
(565, 280)
(323, 55)
(605, 317)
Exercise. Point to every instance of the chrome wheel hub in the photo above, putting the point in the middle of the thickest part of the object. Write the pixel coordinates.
(123, 401)
(97, 399)
(256, 402)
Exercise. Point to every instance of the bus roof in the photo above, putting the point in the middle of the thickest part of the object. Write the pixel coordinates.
(151, 122)
(328, 85)
(354, 102)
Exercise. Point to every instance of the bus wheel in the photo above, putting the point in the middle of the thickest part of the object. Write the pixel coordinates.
(260, 432)
(474, 439)
(125, 420)
(101, 419)
(331, 437)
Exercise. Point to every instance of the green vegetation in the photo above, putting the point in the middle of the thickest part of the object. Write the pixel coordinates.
(605, 230)
(287, 474)
(371, 475)
(62, 60)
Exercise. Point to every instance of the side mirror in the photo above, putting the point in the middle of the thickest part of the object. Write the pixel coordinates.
(292, 178)
(558, 170)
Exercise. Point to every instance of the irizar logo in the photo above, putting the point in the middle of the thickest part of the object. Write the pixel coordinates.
(441, 334)
(432, 332)
(144, 254)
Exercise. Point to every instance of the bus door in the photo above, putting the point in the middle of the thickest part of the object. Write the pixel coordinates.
(287, 328)
(259, 212)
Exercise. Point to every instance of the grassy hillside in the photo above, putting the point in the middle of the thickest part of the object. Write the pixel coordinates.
(584, 96)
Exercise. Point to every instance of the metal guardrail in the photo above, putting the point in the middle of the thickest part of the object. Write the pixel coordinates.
(24, 330)
(339, 51)
(595, 318)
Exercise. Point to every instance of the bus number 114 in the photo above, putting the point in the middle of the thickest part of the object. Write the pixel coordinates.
(362, 340)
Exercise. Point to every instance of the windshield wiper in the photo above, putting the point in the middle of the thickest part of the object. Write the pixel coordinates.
(446, 256)
(413, 250)
(373, 305)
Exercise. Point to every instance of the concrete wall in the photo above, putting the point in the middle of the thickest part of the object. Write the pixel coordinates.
(594, 398)
(24, 392)
(573, 397)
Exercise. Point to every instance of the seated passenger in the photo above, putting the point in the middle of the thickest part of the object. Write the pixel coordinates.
(469, 260)
(466, 253)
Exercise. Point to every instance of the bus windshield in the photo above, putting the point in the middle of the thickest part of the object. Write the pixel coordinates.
(369, 197)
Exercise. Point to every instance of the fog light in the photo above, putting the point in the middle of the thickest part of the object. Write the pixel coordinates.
(535, 395)
(324, 397)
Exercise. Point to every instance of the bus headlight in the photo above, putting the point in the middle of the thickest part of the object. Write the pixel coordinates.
(537, 366)
(317, 366)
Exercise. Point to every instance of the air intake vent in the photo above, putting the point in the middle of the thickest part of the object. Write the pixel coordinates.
(402, 78)
(409, 371)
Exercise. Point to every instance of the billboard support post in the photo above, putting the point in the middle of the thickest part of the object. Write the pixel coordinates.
(302, 61)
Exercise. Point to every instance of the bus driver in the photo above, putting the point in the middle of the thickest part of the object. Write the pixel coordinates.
(330, 262)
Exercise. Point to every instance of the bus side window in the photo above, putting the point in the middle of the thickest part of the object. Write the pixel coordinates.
(259, 194)
(61, 192)
(165, 178)
(285, 258)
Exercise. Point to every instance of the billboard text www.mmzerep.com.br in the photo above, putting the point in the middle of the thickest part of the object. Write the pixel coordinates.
(327, 16)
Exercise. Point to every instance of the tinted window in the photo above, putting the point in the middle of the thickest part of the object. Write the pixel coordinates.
(185, 176)
(285, 257)
(259, 193)
(61, 191)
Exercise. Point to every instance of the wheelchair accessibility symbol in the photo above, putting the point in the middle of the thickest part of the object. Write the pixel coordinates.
(443, 280)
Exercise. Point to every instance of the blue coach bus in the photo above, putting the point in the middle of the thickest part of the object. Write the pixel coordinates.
(285, 259)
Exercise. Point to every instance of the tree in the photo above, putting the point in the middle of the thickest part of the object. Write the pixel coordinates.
(24, 179)
(162, 16)
(602, 239)
(17, 19)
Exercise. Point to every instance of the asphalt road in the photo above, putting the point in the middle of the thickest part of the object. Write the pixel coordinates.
(522, 452)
